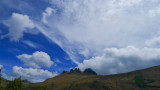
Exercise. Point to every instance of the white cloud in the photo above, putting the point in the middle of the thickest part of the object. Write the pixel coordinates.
(155, 11)
(36, 60)
(1, 66)
(30, 43)
(17, 24)
(114, 60)
(48, 12)
(89, 26)
(153, 42)
(33, 75)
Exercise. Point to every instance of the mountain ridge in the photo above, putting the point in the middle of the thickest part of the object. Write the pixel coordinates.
(147, 79)
(144, 79)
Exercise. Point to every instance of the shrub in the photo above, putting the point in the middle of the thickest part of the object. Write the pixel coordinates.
(16, 84)
(139, 81)
(45, 88)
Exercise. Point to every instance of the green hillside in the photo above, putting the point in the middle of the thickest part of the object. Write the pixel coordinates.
(147, 79)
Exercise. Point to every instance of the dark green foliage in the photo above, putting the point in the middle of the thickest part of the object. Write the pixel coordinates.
(45, 88)
(89, 71)
(16, 84)
(139, 81)
(2, 88)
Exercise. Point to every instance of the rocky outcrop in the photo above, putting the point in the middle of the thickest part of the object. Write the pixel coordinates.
(87, 71)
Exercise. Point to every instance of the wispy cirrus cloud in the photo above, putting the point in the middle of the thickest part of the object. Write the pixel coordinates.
(91, 26)
(84, 29)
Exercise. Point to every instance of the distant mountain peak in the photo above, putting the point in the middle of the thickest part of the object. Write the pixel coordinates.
(87, 71)
(75, 71)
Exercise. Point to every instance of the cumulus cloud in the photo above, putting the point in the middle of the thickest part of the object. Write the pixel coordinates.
(48, 12)
(120, 60)
(17, 24)
(36, 60)
(33, 75)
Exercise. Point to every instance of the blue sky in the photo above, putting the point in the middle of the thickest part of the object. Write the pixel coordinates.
(38, 42)
(41, 38)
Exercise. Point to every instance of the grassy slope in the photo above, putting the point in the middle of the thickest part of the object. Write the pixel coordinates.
(149, 80)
